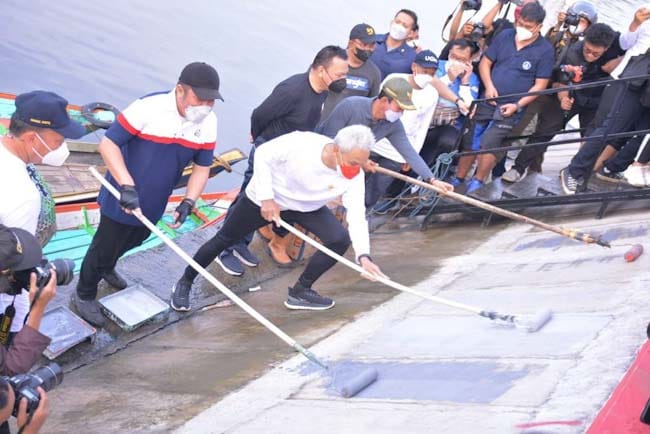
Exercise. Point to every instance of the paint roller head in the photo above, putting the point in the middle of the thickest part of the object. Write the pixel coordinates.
(539, 320)
(359, 382)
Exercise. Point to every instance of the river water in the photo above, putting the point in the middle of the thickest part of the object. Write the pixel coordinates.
(120, 50)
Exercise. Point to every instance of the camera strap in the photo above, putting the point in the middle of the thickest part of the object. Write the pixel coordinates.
(5, 323)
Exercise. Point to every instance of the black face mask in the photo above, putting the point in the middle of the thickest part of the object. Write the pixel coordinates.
(362, 55)
(337, 86)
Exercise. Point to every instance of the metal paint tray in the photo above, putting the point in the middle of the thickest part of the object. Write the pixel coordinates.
(133, 307)
(66, 330)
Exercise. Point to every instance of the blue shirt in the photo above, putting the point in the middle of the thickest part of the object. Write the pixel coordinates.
(454, 86)
(397, 60)
(156, 143)
(515, 71)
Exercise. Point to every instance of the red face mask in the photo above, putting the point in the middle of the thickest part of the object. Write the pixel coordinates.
(349, 171)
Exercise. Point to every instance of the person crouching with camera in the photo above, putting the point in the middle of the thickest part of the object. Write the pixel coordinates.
(20, 259)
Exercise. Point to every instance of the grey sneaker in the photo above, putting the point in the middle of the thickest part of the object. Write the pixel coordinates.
(90, 310)
(115, 280)
(307, 299)
(230, 263)
(245, 256)
(512, 175)
(180, 300)
(569, 183)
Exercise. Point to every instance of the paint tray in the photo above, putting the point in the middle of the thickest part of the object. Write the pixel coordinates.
(65, 329)
(133, 307)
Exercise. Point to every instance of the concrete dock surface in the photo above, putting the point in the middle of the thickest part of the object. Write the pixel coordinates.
(443, 370)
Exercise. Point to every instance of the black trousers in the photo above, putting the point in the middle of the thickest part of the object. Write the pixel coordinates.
(492, 132)
(627, 154)
(110, 242)
(619, 109)
(377, 183)
(551, 119)
(245, 217)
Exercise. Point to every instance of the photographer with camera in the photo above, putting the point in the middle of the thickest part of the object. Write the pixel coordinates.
(20, 260)
(587, 61)
(571, 26)
(28, 423)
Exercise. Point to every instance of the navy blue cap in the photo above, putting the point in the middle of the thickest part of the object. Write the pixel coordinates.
(427, 59)
(42, 109)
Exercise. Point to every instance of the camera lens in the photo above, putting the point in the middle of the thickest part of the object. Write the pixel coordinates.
(50, 376)
(64, 270)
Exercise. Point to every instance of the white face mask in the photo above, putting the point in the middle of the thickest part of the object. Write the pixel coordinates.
(53, 158)
(196, 113)
(578, 30)
(422, 80)
(523, 34)
(392, 116)
(398, 32)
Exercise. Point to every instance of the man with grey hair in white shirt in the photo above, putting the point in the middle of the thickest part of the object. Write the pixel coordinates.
(294, 179)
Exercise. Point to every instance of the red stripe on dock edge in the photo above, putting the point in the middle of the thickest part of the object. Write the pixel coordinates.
(621, 413)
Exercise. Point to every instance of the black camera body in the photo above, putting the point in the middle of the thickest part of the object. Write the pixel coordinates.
(26, 385)
(478, 32)
(64, 274)
(472, 5)
(568, 74)
(572, 19)
(515, 2)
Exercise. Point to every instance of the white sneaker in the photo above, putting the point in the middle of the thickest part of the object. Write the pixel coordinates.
(638, 175)
(512, 175)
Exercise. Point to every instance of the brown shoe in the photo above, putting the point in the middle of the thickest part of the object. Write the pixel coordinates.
(266, 232)
(277, 249)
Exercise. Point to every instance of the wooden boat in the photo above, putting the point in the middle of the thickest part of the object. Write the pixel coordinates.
(73, 183)
(76, 225)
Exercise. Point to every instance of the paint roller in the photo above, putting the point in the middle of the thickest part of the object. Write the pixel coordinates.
(350, 388)
(531, 324)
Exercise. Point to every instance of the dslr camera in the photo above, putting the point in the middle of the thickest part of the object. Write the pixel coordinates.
(472, 5)
(572, 19)
(478, 32)
(20, 279)
(568, 74)
(25, 385)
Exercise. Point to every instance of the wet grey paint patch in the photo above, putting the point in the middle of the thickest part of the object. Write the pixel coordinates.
(557, 242)
(434, 381)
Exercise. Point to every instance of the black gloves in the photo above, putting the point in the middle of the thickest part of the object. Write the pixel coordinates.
(129, 197)
(183, 210)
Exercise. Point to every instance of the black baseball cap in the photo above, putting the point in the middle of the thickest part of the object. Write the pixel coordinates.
(364, 32)
(43, 109)
(19, 250)
(203, 79)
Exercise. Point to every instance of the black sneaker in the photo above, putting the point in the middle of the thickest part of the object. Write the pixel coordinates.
(115, 280)
(569, 183)
(89, 310)
(243, 253)
(230, 264)
(307, 299)
(614, 177)
(180, 300)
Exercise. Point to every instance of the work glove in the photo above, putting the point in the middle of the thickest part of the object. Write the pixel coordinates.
(183, 210)
(129, 197)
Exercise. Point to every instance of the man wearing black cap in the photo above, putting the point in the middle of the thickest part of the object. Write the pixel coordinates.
(37, 133)
(19, 251)
(145, 151)
(363, 76)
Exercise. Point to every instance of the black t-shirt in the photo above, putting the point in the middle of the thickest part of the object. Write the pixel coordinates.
(589, 98)
(292, 106)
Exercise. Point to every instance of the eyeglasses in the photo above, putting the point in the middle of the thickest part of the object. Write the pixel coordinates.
(595, 53)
